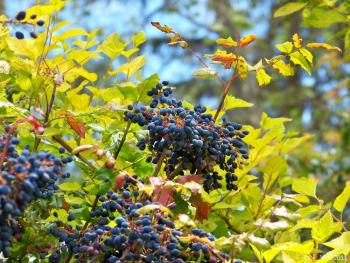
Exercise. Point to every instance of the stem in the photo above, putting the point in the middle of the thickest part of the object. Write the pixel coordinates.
(226, 90)
(65, 145)
(159, 163)
(49, 108)
(176, 171)
(122, 140)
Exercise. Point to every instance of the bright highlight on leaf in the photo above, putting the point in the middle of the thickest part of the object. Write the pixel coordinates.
(262, 77)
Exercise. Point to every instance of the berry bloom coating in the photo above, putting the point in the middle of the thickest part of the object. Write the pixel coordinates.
(24, 177)
(188, 140)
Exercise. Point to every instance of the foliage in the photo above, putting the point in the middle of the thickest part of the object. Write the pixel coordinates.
(53, 100)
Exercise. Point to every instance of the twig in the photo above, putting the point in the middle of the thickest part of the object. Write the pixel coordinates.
(116, 153)
(159, 163)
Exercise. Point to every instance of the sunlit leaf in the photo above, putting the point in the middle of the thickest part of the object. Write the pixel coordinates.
(341, 200)
(285, 47)
(289, 8)
(226, 42)
(246, 40)
(323, 46)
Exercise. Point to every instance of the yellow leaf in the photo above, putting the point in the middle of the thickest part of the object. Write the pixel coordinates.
(306, 186)
(324, 46)
(138, 39)
(285, 47)
(307, 54)
(262, 77)
(131, 67)
(298, 59)
(284, 69)
(341, 200)
(112, 46)
(297, 40)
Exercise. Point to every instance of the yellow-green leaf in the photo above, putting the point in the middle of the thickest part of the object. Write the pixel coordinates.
(306, 186)
(70, 186)
(112, 46)
(226, 42)
(289, 8)
(285, 47)
(341, 200)
(324, 228)
(130, 68)
(262, 77)
(307, 54)
(298, 59)
(138, 39)
(283, 68)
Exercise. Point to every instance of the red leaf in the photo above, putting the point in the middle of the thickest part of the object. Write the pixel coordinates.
(161, 193)
(77, 126)
(190, 178)
(202, 208)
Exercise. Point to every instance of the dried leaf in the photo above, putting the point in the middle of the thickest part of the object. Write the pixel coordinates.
(163, 28)
(77, 126)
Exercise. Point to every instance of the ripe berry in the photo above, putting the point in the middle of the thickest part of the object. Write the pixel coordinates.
(40, 22)
(33, 35)
(33, 16)
(19, 35)
(21, 15)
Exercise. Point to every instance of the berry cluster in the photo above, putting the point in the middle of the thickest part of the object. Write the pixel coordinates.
(122, 229)
(20, 19)
(24, 177)
(187, 139)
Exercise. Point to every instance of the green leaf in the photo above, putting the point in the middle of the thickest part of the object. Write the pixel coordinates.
(341, 200)
(285, 47)
(205, 73)
(322, 17)
(306, 186)
(70, 186)
(289, 8)
(262, 77)
(298, 59)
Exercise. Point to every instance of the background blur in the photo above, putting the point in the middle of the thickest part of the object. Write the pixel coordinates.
(318, 104)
